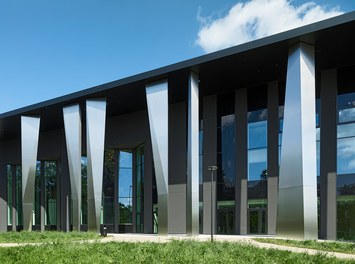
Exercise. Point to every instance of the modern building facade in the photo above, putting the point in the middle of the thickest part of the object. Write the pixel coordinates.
(275, 115)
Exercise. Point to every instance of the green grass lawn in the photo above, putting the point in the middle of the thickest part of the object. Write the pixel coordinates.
(172, 252)
(343, 247)
(48, 236)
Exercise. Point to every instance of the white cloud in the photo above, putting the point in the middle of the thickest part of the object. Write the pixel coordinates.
(256, 19)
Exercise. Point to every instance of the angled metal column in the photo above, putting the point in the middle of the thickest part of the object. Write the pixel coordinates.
(3, 198)
(95, 136)
(157, 101)
(29, 148)
(273, 155)
(192, 206)
(297, 199)
(72, 126)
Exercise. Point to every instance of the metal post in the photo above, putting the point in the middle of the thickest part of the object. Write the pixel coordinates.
(212, 169)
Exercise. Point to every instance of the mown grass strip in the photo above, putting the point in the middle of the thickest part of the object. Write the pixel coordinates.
(43, 237)
(342, 247)
(172, 252)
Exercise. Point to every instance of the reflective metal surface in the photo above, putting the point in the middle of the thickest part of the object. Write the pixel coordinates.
(29, 148)
(297, 200)
(72, 126)
(192, 187)
(157, 101)
(95, 136)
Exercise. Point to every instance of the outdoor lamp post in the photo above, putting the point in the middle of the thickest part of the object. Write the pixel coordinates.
(212, 169)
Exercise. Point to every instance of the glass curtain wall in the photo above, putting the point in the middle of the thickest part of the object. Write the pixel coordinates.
(84, 191)
(139, 167)
(50, 199)
(108, 188)
(14, 194)
(10, 201)
(226, 164)
(257, 170)
(125, 185)
(200, 160)
(257, 159)
(346, 167)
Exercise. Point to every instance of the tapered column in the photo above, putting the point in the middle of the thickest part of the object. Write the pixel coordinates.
(328, 154)
(95, 136)
(273, 155)
(192, 207)
(157, 101)
(3, 198)
(297, 200)
(72, 127)
(29, 148)
(241, 186)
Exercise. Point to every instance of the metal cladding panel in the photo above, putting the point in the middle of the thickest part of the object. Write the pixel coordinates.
(157, 101)
(192, 214)
(95, 129)
(29, 149)
(297, 201)
(72, 126)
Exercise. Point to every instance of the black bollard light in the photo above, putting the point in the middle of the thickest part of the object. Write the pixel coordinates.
(104, 231)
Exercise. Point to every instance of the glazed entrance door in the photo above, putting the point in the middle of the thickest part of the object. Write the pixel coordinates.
(257, 221)
(225, 221)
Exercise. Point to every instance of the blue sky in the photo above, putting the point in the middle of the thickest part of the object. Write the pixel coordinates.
(52, 48)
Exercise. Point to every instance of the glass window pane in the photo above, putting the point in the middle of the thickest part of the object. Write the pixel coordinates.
(346, 155)
(125, 177)
(346, 130)
(257, 135)
(257, 164)
(346, 105)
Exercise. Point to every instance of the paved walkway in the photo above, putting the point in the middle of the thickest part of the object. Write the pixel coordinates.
(228, 238)
(164, 239)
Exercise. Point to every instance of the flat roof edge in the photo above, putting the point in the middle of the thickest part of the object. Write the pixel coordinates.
(282, 36)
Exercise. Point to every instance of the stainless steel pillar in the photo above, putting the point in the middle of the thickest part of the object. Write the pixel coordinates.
(297, 200)
(72, 127)
(95, 136)
(192, 210)
(3, 198)
(157, 101)
(29, 148)
(273, 155)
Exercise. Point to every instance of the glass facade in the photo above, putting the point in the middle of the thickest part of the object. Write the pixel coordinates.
(84, 191)
(139, 168)
(346, 167)
(257, 171)
(108, 186)
(50, 198)
(45, 195)
(125, 184)
(226, 172)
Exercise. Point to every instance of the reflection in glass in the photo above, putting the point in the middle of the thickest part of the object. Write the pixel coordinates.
(346, 167)
(125, 159)
(50, 199)
(139, 165)
(226, 173)
(257, 145)
(84, 191)
(257, 170)
(9, 194)
(346, 207)
(37, 202)
(108, 186)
